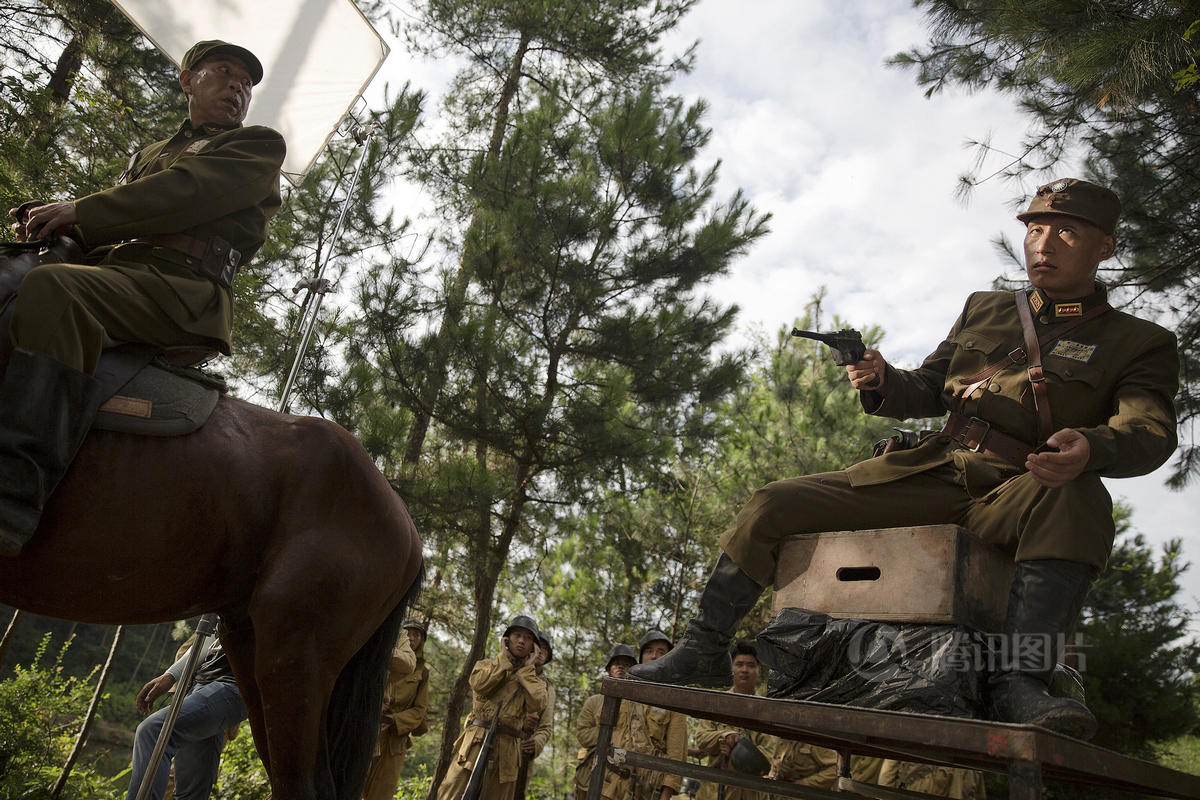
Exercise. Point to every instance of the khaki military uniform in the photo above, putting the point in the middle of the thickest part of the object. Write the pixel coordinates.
(1113, 379)
(405, 706)
(640, 728)
(522, 692)
(545, 726)
(961, 784)
(587, 733)
(202, 182)
(708, 737)
(667, 731)
(809, 765)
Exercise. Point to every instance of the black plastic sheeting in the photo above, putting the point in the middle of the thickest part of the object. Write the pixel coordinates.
(923, 668)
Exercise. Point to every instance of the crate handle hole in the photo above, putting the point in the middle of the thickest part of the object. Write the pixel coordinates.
(858, 573)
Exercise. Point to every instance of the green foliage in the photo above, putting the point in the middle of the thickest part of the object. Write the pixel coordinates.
(414, 786)
(1190, 75)
(1182, 754)
(242, 776)
(1141, 660)
(1098, 81)
(41, 709)
(82, 91)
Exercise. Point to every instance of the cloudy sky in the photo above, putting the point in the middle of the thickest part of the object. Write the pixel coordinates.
(858, 169)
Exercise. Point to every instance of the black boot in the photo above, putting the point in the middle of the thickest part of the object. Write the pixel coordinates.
(702, 655)
(1044, 602)
(46, 409)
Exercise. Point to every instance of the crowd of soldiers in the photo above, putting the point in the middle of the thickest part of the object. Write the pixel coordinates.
(512, 716)
(655, 731)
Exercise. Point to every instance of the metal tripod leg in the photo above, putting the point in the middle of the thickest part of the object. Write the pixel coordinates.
(206, 627)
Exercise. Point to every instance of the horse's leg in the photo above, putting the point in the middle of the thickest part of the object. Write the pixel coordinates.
(238, 640)
(343, 554)
(294, 684)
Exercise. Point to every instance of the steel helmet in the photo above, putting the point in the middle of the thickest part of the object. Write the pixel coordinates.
(746, 757)
(618, 651)
(523, 621)
(654, 635)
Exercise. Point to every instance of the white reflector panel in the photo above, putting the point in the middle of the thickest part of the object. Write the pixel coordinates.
(317, 56)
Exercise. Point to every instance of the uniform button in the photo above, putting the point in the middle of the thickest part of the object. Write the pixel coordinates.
(971, 343)
(994, 388)
(1044, 319)
(1068, 373)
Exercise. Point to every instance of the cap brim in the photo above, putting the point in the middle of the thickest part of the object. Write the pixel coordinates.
(1025, 216)
(253, 65)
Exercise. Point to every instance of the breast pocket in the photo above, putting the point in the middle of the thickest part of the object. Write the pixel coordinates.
(657, 720)
(1074, 391)
(974, 352)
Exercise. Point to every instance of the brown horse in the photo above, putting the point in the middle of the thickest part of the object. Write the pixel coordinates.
(284, 526)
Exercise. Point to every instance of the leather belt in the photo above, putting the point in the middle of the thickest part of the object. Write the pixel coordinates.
(979, 436)
(504, 729)
(188, 245)
(215, 257)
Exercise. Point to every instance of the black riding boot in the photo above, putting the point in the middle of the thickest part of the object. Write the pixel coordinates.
(1044, 602)
(702, 655)
(46, 409)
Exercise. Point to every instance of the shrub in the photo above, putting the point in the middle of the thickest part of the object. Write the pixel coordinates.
(41, 710)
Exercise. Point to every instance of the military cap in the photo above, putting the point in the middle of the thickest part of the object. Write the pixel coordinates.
(654, 635)
(1071, 197)
(419, 624)
(618, 651)
(215, 47)
(544, 640)
(523, 621)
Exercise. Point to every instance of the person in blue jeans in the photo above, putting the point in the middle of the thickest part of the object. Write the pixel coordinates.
(212, 707)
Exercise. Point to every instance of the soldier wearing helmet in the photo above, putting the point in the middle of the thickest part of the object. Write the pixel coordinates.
(663, 731)
(507, 686)
(587, 725)
(405, 709)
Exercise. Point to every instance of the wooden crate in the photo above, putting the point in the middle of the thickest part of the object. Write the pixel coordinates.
(930, 573)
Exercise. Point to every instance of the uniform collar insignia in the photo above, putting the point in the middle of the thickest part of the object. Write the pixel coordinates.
(1066, 309)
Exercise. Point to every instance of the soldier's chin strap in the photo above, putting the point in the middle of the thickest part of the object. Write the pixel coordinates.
(206, 627)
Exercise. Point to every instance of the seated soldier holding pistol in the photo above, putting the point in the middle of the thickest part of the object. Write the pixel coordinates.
(1048, 390)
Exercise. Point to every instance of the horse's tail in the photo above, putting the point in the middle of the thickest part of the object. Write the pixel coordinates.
(352, 719)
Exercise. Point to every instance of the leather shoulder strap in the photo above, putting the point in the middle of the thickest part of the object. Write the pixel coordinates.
(1037, 378)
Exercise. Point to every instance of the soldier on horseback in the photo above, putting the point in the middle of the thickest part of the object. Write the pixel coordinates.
(162, 249)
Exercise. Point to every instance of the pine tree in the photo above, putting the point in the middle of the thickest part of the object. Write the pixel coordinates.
(584, 338)
(1141, 659)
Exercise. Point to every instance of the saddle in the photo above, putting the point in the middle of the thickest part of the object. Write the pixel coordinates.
(150, 391)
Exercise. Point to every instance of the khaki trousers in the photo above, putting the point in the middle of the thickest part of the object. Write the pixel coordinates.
(1021, 517)
(384, 775)
(458, 776)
